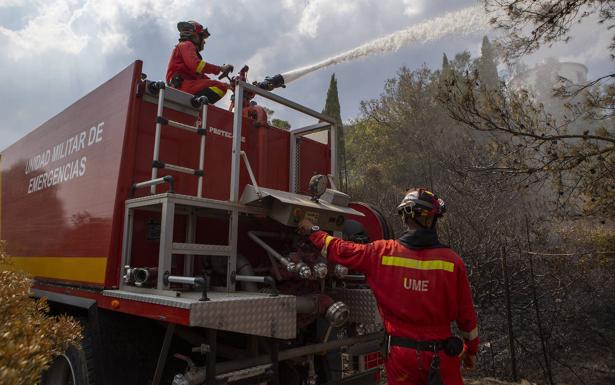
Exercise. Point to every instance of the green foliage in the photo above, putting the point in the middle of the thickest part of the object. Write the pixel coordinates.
(332, 109)
(497, 205)
(29, 338)
(279, 123)
(487, 66)
(567, 144)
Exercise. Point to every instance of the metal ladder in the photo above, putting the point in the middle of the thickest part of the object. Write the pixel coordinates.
(162, 121)
(168, 202)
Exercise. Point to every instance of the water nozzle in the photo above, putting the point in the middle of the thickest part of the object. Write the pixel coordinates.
(271, 82)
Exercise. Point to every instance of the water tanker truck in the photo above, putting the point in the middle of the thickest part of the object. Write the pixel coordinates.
(168, 228)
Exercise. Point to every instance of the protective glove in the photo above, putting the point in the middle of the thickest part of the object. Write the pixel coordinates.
(226, 69)
(469, 360)
(305, 227)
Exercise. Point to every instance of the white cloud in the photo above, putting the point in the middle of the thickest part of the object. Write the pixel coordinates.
(49, 30)
(113, 42)
(320, 11)
(11, 3)
(413, 7)
(60, 49)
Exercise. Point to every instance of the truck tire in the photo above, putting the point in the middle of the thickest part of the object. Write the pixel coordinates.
(73, 367)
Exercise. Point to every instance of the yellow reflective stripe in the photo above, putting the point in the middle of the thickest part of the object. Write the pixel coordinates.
(217, 90)
(470, 335)
(328, 240)
(200, 67)
(83, 269)
(417, 264)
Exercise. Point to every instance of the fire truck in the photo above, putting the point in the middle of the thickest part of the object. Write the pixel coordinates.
(167, 226)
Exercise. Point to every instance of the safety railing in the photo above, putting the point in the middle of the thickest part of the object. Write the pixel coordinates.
(326, 123)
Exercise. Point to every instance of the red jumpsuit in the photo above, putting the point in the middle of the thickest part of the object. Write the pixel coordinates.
(420, 291)
(187, 62)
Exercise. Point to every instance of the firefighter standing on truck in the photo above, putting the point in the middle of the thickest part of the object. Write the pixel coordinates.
(186, 70)
(421, 286)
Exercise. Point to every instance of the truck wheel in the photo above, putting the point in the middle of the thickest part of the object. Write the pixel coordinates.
(74, 367)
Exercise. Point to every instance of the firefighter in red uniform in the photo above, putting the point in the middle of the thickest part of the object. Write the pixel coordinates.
(421, 287)
(186, 70)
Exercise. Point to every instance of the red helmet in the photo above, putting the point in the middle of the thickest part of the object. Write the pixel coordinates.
(419, 204)
(191, 29)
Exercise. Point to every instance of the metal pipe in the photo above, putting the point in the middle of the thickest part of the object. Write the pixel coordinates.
(292, 172)
(230, 366)
(145, 276)
(333, 147)
(236, 143)
(164, 351)
(174, 167)
(250, 173)
(183, 126)
(254, 235)
(185, 280)
(157, 137)
(353, 277)
(165, 179)
(202, 150)
(276, 98)
(257, 279)
(251, 278)
(244, 267)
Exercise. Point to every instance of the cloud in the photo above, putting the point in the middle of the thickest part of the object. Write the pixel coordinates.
(319, 11)
(58, 50)
(51, 29)
(413, 7)
(11, 3)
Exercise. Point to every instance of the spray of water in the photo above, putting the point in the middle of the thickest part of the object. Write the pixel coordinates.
(466, 21)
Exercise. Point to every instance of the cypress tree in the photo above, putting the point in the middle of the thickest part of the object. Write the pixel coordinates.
(332, 109)
(487, 66)
(445, 65)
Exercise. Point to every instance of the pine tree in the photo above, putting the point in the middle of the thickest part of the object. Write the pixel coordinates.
(487, 66)
(332, 109)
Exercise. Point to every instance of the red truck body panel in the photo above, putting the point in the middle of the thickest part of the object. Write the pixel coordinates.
(63, 186)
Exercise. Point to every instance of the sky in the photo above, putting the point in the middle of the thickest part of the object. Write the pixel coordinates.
(56, 51)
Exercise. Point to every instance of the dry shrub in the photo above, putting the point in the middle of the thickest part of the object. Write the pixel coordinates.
(29, 337)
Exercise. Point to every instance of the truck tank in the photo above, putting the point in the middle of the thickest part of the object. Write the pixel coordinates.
(143, 203)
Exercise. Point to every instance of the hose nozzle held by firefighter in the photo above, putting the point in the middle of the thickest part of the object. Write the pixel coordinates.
(271, 82)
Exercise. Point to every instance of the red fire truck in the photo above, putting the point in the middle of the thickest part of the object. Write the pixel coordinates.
(168, 228)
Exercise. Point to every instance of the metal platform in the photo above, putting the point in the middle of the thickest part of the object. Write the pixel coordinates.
(188, 200)
(242, 312)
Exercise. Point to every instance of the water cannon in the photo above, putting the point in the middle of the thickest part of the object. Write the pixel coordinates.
(271, 82)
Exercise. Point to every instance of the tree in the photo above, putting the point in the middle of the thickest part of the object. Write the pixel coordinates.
(403, 139)
(445, 65)
(530, 24)
(279, 123)
(572, 151)
(332, 109)
(487, 65)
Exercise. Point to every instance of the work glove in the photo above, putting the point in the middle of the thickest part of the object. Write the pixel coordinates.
(225, 69)
(469, 360)
(305, 227)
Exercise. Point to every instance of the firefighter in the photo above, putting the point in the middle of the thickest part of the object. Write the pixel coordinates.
(421, 286)
(186, 70)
